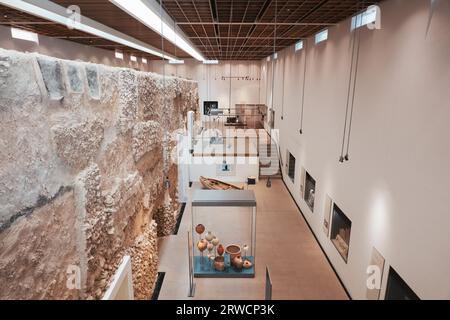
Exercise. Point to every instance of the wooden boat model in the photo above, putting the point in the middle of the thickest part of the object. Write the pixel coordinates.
(213, 184)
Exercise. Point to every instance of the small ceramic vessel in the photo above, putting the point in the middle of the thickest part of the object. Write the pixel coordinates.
(215, 241)
(200, 228)
(233, 250)
(238, 263)
(219, 263)
(202, 245)
(209, 236)
(220, 250)
(247, 264)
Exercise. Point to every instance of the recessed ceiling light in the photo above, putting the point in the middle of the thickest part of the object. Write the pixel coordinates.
(144, 60)
(142, 12)
(176, 61)
(211, 61)
(133, 58)
(24, 35)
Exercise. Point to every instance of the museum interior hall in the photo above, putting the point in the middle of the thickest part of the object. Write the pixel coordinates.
(224, 150)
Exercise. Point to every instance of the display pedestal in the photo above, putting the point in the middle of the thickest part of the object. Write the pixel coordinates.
(206, 270)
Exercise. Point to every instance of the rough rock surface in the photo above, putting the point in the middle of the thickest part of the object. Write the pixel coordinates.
(166, 217)
(145, 138)
(84, 154)
(78, 142)
(144, 261)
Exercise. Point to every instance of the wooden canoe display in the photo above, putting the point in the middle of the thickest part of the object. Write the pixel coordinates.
(213, 184)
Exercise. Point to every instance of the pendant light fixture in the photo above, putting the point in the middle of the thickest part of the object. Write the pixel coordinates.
(269, 181)
(166, 154)
(352, 45)
(351, 92)
(433, 5)
(346, 157)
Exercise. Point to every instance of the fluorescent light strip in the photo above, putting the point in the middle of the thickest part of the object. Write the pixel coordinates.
(24, 35)
(143, 13)
(211, 61)
(50, 11)
(175, 61)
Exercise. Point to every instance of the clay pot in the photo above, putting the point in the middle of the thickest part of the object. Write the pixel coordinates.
(209, 236)
(233, 250)
(202, 245)
(220, 250)
(247, 264)
(200, 228)
(237, 262)
(215, 241)
(210, 247)
(219, 263)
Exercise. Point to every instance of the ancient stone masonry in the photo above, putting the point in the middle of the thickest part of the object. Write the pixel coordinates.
(86, 174)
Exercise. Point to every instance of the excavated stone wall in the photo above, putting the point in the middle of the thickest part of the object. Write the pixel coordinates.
(86, 175)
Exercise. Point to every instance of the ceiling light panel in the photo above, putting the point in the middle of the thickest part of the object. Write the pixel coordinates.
(142, 12)
(53, 12)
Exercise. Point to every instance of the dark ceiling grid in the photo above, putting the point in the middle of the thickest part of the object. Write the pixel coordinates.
(200, 20)
(261, 13)
(275, 4)
(215, 18)
(221, 29)
(247, 34)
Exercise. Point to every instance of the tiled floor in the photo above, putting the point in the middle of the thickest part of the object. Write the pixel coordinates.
(298, 267)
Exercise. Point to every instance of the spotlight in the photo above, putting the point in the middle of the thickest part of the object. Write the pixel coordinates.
(301, 131)
(341, 159)
(346, 157)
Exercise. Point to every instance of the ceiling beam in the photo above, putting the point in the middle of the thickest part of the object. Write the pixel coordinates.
(260, 23)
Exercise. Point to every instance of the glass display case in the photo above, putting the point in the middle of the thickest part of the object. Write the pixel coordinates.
(224, 233)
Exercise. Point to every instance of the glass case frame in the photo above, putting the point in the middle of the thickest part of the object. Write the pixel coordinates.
(225, 204)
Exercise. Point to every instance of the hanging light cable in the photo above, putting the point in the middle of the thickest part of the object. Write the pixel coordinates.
(352, 44)
(269, 181)
(353, 95)
(273, 54)
(165, 115)
(229, 92)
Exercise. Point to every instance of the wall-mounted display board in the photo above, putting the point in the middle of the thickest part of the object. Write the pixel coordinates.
(208, 106)
(310, 191)
(375, 275)
(326, 214)
(291, 167)
(398, 289)
(340, 232)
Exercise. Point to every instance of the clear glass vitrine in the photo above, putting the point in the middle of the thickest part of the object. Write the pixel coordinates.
(223, 233)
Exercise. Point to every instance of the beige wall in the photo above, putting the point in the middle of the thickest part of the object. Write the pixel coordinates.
(69, 50)
(210, 83)
(395, 188)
